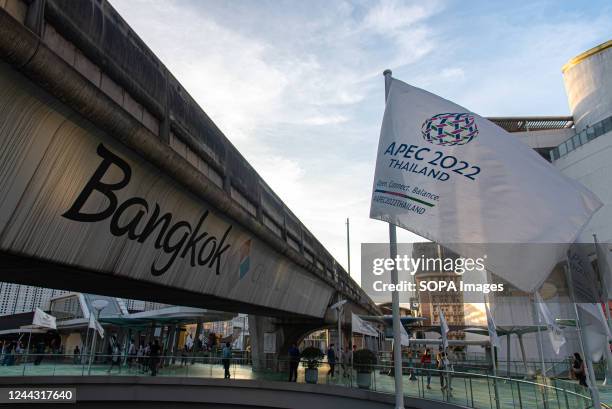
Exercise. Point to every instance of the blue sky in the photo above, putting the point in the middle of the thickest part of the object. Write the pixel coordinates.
(298, 86)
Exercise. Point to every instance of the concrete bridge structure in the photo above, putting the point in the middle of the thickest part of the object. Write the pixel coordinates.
(114, 181)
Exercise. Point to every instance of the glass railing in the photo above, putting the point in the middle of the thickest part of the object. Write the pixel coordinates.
(586, 135)
(464, 388)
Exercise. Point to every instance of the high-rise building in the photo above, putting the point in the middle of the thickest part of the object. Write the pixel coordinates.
(18, 298)
(431, 303)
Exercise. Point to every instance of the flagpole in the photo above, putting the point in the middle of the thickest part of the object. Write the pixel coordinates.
(604, 300)
(493, 354)
(397, 337)
(590, 375)
(28, 348)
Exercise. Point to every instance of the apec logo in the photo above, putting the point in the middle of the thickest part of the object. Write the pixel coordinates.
(449, 129)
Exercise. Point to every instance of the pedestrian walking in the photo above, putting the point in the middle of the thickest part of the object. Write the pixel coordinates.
(411, 364)
(294, 362)
(331, 360)
(154, 354)
(76, 353)
(115, 358)
(426, 365)
(226, 357)
(131, 354)
(140, 357)
(347, 362)
(579, 369)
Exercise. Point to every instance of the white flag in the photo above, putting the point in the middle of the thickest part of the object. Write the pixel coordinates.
(443, 330)
(597, 333)
(42, 319)
(584, 279)
(557, 339)
(491, 328)
(405, 339)
(451, 176)
(605, 272)
(362, 327)
(95, 324)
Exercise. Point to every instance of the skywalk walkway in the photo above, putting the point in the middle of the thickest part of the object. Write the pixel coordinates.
(468, 389)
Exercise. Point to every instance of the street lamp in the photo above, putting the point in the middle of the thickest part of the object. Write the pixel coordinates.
(339, 307)
(98, 305)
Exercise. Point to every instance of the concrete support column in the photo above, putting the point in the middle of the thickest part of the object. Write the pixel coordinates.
(257, 339)
(258, 327)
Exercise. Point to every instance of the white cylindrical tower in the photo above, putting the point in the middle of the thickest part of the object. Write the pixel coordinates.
(588, 84)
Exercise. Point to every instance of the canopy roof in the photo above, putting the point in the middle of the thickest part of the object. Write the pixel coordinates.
(533, 123)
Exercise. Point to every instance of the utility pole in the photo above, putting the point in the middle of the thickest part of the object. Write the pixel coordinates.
(348, 245)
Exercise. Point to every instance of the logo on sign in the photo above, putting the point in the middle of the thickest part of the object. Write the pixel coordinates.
(142, 221)
(449, 129)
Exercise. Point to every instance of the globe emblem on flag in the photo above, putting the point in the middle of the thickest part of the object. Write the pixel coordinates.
(449, 129)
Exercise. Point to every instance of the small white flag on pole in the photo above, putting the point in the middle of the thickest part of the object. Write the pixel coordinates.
(42, 319)
(362, 327)
(557, 339)
(596, 329)
(95, 324)
(491, 328)
(404, 336)
(451, 176)
(443, 330)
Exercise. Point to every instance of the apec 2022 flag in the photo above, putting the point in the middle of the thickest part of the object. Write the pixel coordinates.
(451, 176)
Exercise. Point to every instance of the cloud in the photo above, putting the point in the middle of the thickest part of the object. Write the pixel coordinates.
(391, 16)
(290, 93)
(297, 86)
(325, 120)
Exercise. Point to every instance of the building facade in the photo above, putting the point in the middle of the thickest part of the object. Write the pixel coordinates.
(431, 303)
(580, 146)
(17, 298)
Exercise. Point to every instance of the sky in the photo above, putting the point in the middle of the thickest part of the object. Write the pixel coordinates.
(297, 86)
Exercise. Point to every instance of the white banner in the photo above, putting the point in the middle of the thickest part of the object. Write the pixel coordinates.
(492, 328)
(42, 319)
(557, 339)
(594, 323)
(451, 176)
(443, 329)
(584, 279)
(405, 339)
(362, 327)
(95, 324)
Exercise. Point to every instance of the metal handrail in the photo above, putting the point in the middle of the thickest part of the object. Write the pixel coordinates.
(170, 360)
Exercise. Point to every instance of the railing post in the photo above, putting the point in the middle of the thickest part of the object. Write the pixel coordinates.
(566, 400)
(471, 392)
